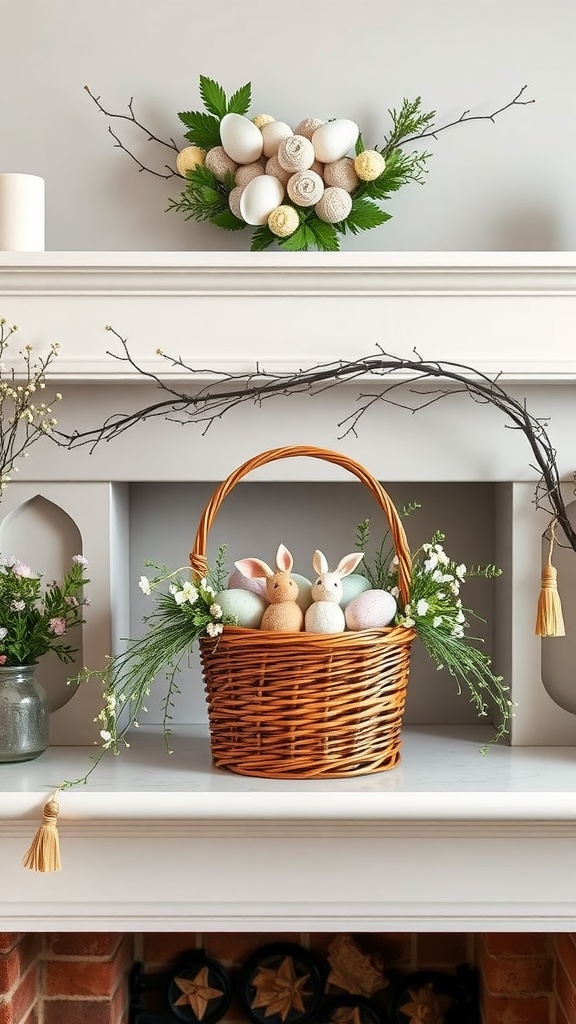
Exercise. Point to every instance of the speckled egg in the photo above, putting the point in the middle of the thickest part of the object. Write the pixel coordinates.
(247, 607)
(373, 609)
(304, 598)
(238, 581)
(353, 585)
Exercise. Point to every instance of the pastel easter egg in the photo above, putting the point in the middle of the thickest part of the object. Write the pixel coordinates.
(241, 139)
(238, 581)
(373, 609)
(247, 607)
(304, 598)
(273, 134)
(353, 585)
(334, 139)
(259, 198)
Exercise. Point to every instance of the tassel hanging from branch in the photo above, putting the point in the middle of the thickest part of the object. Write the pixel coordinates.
(549, 618)
(44, 851)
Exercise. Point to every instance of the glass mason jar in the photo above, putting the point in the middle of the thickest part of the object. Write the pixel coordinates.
(23, 714)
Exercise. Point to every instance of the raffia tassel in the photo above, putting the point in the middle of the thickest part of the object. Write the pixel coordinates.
(44, 851)
(549, 617)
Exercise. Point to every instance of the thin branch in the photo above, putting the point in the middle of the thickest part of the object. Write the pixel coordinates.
(467, 116)
(151, 137)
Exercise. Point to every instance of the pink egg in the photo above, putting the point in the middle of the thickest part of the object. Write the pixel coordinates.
(373, 609)
(237, 581)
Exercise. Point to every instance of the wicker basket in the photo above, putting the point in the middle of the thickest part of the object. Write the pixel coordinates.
(306, 705)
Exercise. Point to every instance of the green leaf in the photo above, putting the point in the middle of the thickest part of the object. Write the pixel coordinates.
(204, 128)
(363, 216)
(239, 102)
(325, 235)
(226, 219)
(213, 96)
(399, 170)
(300, 241)
(359, 147)
(262, 238)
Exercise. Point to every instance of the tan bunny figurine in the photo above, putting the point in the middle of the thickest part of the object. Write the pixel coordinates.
(283, 615)
(325, 614)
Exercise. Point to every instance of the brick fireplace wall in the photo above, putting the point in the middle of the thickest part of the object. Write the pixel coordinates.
(63, 978)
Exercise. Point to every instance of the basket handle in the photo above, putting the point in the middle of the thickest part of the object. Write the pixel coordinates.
(198, 553)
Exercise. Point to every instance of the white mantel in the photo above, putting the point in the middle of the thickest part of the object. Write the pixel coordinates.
(449, 840)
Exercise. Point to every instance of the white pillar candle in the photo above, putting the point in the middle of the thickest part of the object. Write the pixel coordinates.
(21, 213)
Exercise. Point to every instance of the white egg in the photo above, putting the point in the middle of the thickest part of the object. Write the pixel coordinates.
(247, 607)
(241, 139)
(304, 598)
(353, 585)
(373, 609)
(272, 136)
(334, 139)
(238, 581)
(259, 198)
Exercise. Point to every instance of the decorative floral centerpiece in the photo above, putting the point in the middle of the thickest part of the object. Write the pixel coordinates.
(302, 188)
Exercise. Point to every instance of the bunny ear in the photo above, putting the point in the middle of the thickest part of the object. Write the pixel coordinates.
(253, 568)
(349, 563)
(319, 563)
(284, 559)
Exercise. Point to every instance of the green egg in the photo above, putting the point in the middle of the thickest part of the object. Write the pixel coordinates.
(304, 598)
(353, 585)
(246, 606)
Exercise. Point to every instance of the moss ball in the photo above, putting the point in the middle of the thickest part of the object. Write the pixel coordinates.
(218, 161)
(274, 168)
(261, 119)
(308, 126)
(283, 221)
(188, 158)
(246, 172)
(234, 200)
(305, 188)
(341, 174)
(369, 165)
(295, 153)
(334, 206)
(273, 134)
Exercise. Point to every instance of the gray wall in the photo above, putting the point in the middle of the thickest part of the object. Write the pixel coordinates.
(507, 185)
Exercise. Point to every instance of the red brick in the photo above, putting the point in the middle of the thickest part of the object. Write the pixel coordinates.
(119, 1005)
(559, 1016)
(84, 944)
(566, 992)
(516, 943)
(9, 970)
(160, 948)
(445, 949)
(78, 978)
(71, 1011)
(517, 1011)
(566, 950)
(517, 977)
(7, 940)
(17, 1006)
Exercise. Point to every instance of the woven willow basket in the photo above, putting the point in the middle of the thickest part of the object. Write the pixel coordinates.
(306, 705)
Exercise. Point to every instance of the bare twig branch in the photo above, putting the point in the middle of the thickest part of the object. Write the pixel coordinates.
(151, 137)
(467, 116)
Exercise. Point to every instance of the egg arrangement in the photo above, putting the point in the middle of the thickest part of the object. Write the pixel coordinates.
(259, 596)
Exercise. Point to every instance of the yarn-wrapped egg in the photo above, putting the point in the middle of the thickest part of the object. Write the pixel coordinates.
(308, 126)
(273, 134)
(262, 119)
(318, 168)
(246, 172)
(369, 165)
(295, 153)
(341, 174)
(283, 221)
(352, 585)
(238, 581)
(373, 609)
(334, 139)
(241, 139)
(334, 205)
(234, 200)
(305, 188)
(247, 607)
(259, 198)
(188, 158)
(218, 161)
(274, 168)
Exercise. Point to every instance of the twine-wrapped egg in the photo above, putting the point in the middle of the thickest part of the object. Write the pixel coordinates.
(334, 206)
(295, 153)
(188, 158)
(341, 174)
(305, 188)
(246, 172)
(261, 119)
(234, 200)
(283, 221)
(369, 165)
(274, 168)
(273, 134)
(218, 161)
(318, 167)
(308, 126)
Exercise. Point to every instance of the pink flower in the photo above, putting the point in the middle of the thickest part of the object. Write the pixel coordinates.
(80, 560)
(20, 569)
(3, 659)
(57, 626)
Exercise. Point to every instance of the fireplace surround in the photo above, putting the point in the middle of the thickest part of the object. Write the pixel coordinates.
(449, 841)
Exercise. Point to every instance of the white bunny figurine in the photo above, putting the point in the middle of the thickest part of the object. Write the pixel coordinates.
(283, 614)
(325, 614)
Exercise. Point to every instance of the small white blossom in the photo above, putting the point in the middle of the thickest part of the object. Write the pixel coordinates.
(144, 584)
(437, 621)
(455, 587)
(422, 607)
(214, 628)
(395, 592)
(443, 557)
(461, 571)
(407, 622)
(431, 563)
(437, 576)
(188, 593)
(106, 736)
(80, 560)
(460, 617)
(215, 611)
(3, 632)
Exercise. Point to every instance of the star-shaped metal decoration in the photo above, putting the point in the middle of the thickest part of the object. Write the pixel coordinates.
(196, 992)
(346, 1015)
(279, 990)
(426, 1006)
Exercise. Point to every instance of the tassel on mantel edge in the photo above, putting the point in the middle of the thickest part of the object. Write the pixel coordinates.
(549, 617)
(43, 853)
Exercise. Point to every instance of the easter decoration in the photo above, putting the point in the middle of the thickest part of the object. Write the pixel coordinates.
(302, 188)
(325, 614)
(283, 614)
